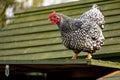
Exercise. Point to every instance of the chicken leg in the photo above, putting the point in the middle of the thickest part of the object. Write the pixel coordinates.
(89, 56)
(75, 56)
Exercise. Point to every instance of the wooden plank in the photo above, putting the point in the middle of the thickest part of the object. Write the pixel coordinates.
(106, 63)
(37, 56)
(31, 24)
(112, 12)
(30, 43)
(109, 49)
(112, 41)
(112, 26)
(111, 18)
(49, 61)
(28, 37)
(21, 30)
(109, 34)
(24, 31)
(35, 49)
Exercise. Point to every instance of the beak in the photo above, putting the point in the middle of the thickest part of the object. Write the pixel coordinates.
(49, 19)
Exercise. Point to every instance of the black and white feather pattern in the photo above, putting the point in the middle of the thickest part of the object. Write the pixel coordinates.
(84, 33)
(95, 15)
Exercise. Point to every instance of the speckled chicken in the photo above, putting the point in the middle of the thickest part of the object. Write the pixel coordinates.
(83, 33)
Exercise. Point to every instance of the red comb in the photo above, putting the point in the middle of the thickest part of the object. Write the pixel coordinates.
(52, 14)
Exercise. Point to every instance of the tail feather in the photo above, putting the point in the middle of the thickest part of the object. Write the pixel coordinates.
(95, 6)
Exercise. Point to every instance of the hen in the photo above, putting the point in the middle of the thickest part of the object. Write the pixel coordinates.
(83, 33)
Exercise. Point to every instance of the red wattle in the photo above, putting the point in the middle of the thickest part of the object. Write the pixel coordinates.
(54, 22)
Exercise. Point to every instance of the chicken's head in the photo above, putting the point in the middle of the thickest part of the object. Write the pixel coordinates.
(54, 18)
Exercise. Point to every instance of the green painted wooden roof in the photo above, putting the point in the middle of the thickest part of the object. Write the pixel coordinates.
(31, 36)
(81, 61)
